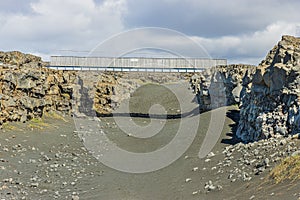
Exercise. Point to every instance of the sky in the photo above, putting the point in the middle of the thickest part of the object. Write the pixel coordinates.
(242, 31)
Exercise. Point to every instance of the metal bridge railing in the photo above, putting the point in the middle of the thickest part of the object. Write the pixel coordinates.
(136, 62)
(126, 69)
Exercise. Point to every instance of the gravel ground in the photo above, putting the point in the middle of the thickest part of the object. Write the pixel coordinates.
(52, 163)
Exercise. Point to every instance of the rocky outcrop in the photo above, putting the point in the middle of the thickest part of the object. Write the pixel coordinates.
(271, 100)
(18, 59)
(101, 93)
(98, 94)
(268, 95)
(220, 86)
(105, 90)
(28, 88)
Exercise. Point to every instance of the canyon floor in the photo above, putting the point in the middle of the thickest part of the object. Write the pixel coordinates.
(46, 159)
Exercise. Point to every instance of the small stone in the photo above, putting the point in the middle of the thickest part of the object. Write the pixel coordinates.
(34, 178)
(252, 161)
(32, 161)
(210, 155)
(57, 193)
(8, 180)
(34, 185)
(188, 180)
(247, 162)
(46, 158)
(57, 155)
(195, 169)
(267, 162)
(296, 136)
(211, 187)
(246, 177)
(283, 142)
(43, 191)
(219, 187)
(75, 197)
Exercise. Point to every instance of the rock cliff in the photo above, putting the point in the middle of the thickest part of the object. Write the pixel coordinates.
(220, 86)
(28, 88)
(271, 100)
(106, 90)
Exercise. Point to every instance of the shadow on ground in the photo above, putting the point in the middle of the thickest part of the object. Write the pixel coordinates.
(234, 115)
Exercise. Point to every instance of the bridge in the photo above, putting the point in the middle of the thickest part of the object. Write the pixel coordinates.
(133, 64)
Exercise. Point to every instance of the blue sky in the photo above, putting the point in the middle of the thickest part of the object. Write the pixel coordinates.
(243, 31)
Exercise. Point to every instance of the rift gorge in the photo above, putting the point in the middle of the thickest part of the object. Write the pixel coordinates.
(151, 131)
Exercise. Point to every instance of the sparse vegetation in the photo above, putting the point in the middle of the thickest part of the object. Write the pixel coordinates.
(66, 96)
(288, 169)
(54, 115)
(9, 126)
(37, 123)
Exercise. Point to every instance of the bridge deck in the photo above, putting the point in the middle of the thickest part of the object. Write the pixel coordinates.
(133, 64)
(126, 69)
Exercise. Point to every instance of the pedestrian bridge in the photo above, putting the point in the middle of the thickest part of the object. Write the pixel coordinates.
(133, 64)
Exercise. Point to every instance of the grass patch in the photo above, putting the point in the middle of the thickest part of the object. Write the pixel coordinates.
(37, 123)
(36, 120)
(288, 169)
(54, 115)
(66, 96)
(8, 126)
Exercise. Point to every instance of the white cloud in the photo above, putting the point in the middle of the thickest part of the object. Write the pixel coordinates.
(158, 39)
(61, 24)
(242, 31)
(214, 18)
(251, 47)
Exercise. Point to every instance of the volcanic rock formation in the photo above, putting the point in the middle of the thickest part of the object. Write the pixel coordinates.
(28, 88)
(220, 86)
(271, 100)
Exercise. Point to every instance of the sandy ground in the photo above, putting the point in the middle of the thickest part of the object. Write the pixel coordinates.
(53, 163)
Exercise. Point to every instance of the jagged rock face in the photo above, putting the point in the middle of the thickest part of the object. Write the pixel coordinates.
(220, 86)
(98, 94)
(113, 88)
(27, 88)
(105, 89)
(18, 59)
(271, 101)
